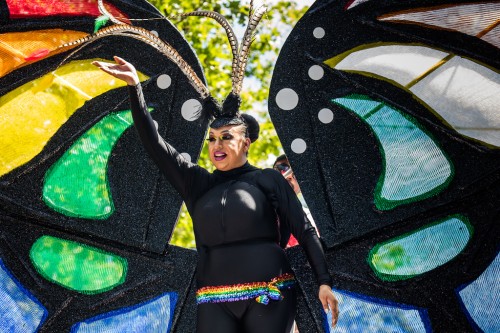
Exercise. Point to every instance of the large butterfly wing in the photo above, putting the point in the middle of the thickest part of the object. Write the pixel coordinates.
(388, 112)
(85, 216)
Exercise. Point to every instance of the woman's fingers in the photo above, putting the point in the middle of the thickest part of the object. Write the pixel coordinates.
(329, 302)
(121, 70)
(105, 67)
(121, 65)
(124, 64)
(97, 63)
(334, 307)
(120, 61)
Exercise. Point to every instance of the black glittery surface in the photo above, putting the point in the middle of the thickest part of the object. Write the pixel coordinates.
(337, 172)
(146, 206)
(343, 162)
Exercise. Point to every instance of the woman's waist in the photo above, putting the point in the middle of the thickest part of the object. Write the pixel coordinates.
(262, 291)
(215, 235)
(254, 249)
(236, 243)
(241, 263)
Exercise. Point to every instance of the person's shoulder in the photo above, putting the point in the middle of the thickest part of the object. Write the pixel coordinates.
(270, 178)
(271, 173)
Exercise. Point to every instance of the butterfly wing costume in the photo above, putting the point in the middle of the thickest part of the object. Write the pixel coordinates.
(99, 216)
(390, 121)
(387, 112)
(85, 215)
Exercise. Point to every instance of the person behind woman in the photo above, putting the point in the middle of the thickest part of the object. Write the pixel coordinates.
(282, 165)
(244, 281)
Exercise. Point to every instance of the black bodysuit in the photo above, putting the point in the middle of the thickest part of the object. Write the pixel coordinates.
(235, 217)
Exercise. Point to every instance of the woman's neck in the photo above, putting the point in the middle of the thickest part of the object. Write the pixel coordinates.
(246, 167)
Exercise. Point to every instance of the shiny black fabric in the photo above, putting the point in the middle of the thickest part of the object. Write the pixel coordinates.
(237, 214)
(248, 316)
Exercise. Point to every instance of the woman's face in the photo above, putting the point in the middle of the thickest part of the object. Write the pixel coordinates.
(228, 147)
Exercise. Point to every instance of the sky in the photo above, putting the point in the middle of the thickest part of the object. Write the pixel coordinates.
(249, 83)
(305, 2)
(299, 2)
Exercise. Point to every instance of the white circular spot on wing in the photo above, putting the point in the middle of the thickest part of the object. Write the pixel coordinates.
(191, 109)
(186, 156)
(164, 81)
(298, 146)
(319, 32)
(287, 99)
(325, 116)
(316, 72)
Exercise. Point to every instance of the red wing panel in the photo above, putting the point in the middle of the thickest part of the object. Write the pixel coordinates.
(42, 8)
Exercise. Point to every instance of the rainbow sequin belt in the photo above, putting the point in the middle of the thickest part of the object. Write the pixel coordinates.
(261, 291)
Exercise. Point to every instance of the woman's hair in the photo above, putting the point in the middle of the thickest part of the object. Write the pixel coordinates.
(252, 127)
(229, 114)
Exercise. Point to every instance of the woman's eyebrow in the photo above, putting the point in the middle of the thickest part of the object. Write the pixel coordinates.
(223, 132)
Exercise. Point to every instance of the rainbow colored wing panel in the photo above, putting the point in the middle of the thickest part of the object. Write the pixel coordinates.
(85, 216)
(390, 121)
(60, 114)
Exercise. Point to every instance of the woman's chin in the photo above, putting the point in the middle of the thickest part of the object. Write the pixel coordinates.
(223, 167)
(219, 165)
(226, 165)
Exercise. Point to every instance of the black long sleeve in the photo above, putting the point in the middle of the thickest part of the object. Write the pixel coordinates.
(290, 212)
(186, 177)
(218, 221)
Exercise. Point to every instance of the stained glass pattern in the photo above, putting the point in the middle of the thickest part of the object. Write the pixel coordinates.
(154, 316)
(461, 91)
(481, 298)
(76, 266)
(31, 114)
(414, 165)
(20, 48)
(477, 19)
(367, 315)
(41, 8)
(422, 250)
(77, 184)
(20, 311)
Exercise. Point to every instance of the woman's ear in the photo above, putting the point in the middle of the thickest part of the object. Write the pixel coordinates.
(247, 143)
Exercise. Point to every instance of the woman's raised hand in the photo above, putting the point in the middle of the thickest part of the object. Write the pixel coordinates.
(329, 302)
(121, 70)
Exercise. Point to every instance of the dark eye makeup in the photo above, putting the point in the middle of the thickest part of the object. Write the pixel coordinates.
(223, 137)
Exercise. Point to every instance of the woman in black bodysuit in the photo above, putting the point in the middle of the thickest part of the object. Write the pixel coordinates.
(244, 281)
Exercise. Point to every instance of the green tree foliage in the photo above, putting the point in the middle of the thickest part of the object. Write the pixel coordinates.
(212, 48)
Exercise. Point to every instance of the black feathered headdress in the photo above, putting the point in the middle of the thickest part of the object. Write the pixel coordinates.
(226, 114)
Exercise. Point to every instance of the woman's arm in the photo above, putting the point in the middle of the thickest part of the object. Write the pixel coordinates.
(181, 173)
(290, 212)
